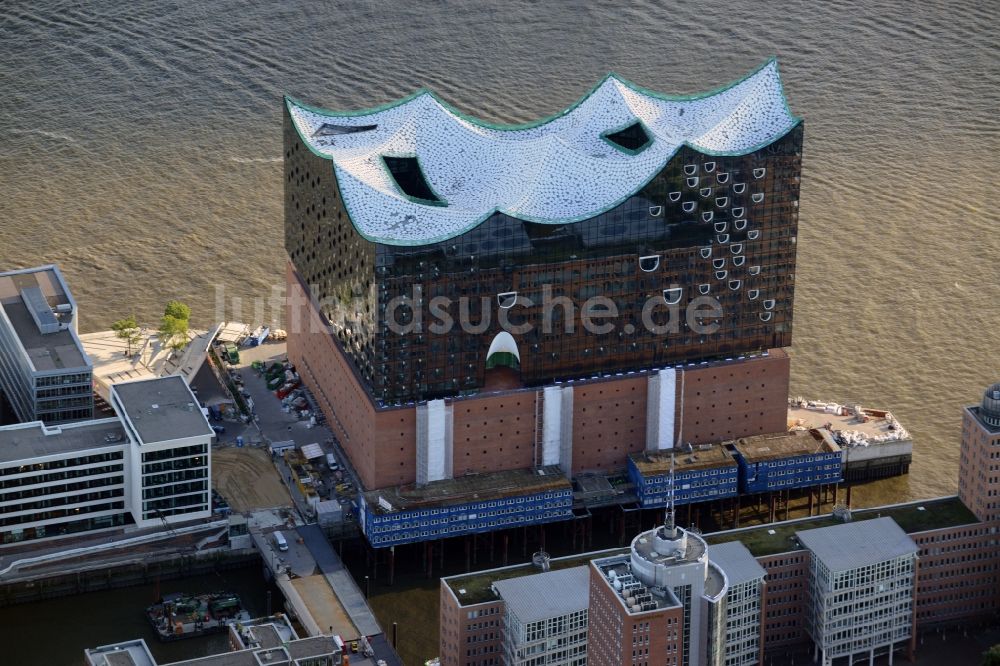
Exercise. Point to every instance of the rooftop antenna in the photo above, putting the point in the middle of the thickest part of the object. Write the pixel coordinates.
(671, 523)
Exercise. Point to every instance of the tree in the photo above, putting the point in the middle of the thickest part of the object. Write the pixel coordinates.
(127, 329)
(174, 325)
(992, 656)
(177, 310)
(173, 332)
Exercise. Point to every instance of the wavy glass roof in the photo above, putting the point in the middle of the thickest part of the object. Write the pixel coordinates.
(560, 170)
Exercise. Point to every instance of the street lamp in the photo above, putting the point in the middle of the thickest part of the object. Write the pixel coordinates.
(368, 589)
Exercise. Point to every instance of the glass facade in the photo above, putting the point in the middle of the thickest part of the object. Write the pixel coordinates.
(174, 481)
(706, 230)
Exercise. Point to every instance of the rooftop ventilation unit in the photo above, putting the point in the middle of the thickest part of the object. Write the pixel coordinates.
(41, 313)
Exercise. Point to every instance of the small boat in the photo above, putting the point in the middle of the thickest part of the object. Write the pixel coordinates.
(179, 615)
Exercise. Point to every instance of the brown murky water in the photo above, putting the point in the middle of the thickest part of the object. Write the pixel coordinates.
(140, 149)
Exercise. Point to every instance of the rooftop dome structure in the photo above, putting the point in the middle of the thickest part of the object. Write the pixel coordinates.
(418, 172)
(990, 410)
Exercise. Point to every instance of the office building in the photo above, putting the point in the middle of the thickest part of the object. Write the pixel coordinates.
(545, 618)
(170, 450)
(861, 587)
(979, 471)
(849, 587)
(57, 480)
(149, 465)
(45, 375)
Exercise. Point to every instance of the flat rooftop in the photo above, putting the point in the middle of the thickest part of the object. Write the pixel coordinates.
(469, 488)
(857, 544)
(977, 412)
(785, 445)
(162, 409)
(546, 595)
(775, 538)
(476, 588)
(871, 425)
(652, 463)
(25, 441)
(620, 566)
(126, 653)
(60, 350)
(736, 561)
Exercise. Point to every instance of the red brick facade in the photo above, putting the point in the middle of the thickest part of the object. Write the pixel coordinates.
(470, 635)
(495, 431)
(616, 638)
(785, 603)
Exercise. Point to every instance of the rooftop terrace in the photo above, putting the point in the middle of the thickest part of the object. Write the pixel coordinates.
(162, 409)
(25, 441)
(760, 448)
(913, 517)
(469, 488)
(58, 350)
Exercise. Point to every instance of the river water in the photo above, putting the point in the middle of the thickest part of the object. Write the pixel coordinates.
(140, 147)
(56, 632)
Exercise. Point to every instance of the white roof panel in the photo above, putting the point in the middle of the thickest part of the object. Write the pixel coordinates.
(858, 544)
(558, 171)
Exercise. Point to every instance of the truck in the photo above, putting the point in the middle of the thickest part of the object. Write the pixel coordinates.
(231, 353)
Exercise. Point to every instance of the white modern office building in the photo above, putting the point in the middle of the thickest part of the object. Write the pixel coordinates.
(861, 586)
(545, 621)
(169, 463)
(148, 465)
(45, 374)
(744, 600)
(61, 479)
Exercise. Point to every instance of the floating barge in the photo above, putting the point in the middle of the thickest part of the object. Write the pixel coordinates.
(179, 615)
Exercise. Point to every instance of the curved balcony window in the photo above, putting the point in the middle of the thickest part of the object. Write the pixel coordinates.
(674, 196)
(752, 294)
(759, 173)
(765, 316)
(656, 211)
(753, 234)
(673, 296)
(507, 299)
(706, 252)
(690, 169)
(721, 275)
(709, 167)
(704, 288)
(721, 202)
(649, 263)
(739, 188)
(707, 216)
(769, 304)
(740, 225)
(754, 270)
(757, 197)
(735, 284)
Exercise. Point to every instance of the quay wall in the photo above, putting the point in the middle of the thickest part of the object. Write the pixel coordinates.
(104, 576)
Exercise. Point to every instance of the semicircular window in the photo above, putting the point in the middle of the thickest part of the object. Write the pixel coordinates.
(410, 180)
(632, 139)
